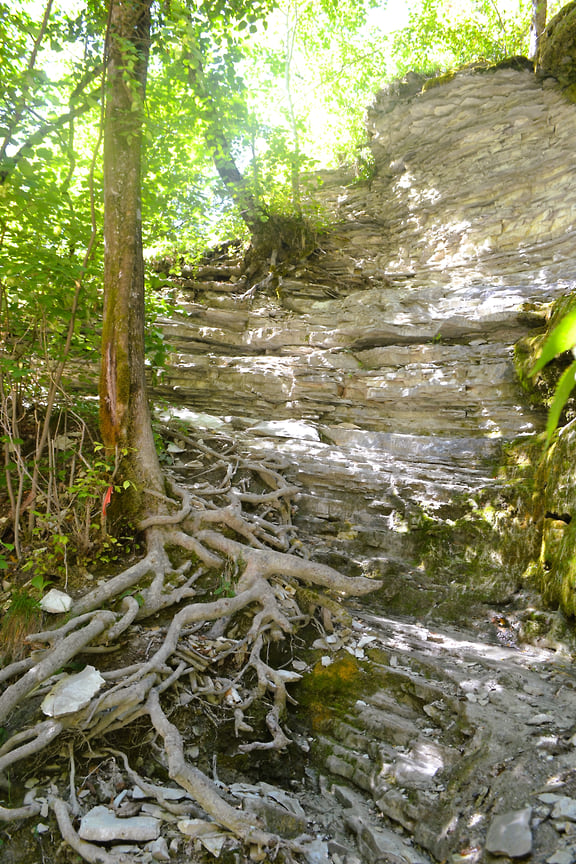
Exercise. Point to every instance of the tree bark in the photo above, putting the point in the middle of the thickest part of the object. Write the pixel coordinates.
(124, 412)
(537, 25)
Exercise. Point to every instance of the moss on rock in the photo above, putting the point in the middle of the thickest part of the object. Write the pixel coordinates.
(438, 81)
(557, 51)
(327, 691)
(557, 480)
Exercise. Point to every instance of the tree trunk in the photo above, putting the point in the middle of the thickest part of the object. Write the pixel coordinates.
(537, 24)
(124, 414)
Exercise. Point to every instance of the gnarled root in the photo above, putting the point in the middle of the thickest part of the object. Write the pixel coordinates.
(234, 521)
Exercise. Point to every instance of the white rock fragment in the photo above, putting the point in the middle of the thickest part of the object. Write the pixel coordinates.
(158, 849)
(288, 675)
(366, 640)
(510, 834)
(172, 447)
(56, 601)
(119, 798)
(213, 843)
(355, 652)
(316, 852)
(540, 720)
(286, 429)
(281, 797)
(42, 828)
(72, 692)
(207, 833)
(100, 825)
(158, 812)
(195, 827)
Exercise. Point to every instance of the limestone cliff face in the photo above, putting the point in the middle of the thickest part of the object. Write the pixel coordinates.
(477, 175)
(380, 368)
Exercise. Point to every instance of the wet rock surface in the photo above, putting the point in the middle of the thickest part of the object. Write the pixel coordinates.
(379, 372)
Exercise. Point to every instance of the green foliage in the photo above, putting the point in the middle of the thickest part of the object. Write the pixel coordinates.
(67, 523)
(40, 583)
(23, 616)
(229, 577)
(562, 338)
(6, 550)
(310, 78)
(436, 38)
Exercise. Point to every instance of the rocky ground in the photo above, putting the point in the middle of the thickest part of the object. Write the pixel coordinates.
(379, 371)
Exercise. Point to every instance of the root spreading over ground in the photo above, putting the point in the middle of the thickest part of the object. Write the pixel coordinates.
(192, 623)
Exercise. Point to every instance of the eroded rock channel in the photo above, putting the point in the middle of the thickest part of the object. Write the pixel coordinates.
(379, 371)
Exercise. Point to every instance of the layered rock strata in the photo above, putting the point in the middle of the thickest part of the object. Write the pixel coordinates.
(379, 371)
(391, 346)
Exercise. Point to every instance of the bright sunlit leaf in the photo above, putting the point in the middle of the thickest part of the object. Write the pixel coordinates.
(563, 390)
(562, 338)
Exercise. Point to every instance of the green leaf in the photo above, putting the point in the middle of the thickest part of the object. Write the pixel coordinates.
(563, 390)
(562, 338)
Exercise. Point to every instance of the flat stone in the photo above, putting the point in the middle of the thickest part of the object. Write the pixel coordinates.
(168, 793)
(562, 856)
(279, 796)
(550, 797)
(540, 720)
(277, 819)
(510, 834)
(287, 429)
(565, 808)
(316, 852)
(100, 825)
(378, 843)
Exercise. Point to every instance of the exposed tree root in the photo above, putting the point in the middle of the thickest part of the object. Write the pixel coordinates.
(222, 556)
